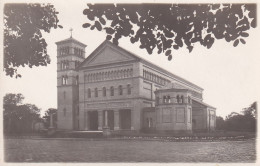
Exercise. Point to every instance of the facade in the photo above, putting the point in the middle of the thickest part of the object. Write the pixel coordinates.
(116, 89)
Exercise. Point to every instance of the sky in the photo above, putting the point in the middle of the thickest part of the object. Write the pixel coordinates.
(229, 75)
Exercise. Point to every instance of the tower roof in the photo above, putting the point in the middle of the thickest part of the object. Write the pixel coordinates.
(71, 39)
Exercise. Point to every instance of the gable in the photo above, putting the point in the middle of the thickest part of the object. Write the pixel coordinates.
(107, 54)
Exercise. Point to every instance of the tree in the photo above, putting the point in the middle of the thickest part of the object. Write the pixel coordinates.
(47, 115)
(251, 111)
(19, 117)
(171, 26)
(23, 41)
(220, 123)
(13, 99)
(242, 122)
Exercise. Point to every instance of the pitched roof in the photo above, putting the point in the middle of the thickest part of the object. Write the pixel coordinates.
(172, 87)
(71, 39)
(140, 59)
(200, 102)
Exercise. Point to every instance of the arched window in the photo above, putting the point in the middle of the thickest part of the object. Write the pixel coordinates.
(61, 65)
(104, 91)
(129, 89)
(65, 64)
(116, 74)
(96, 92)
(111, 91)
(97, 77)
(75, 51)
(64, 80)
(131, 72)
(168, 99)
(102, 76)
(89, 93)
(182, 99)
(120, 90)
(106, 75)
(81, 52)
(164, 99)
(120, 74)
(124, 73)
(112, 75)
(91, 77)
(178, 98)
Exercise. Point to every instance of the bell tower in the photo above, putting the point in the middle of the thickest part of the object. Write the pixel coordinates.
(70, 53)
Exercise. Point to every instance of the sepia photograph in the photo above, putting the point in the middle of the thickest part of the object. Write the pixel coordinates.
(137, 82)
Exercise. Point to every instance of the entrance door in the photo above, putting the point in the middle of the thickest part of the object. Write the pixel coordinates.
(93, 120)
(125, 119)
(110, 119)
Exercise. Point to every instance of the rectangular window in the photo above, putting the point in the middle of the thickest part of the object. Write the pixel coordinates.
(180, 117)
(166, 115)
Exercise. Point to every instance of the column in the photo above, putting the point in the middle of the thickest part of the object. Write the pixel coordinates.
(106, 120)
(132, 119)
(116, 120)
(215, 119)
(86, 120)
(100, 119)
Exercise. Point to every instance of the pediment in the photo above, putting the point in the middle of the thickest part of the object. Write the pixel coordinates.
(106, 55)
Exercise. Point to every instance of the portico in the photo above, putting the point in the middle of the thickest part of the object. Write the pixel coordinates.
(114, 119)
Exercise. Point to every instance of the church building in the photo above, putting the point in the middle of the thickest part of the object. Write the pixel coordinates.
(116, 89)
